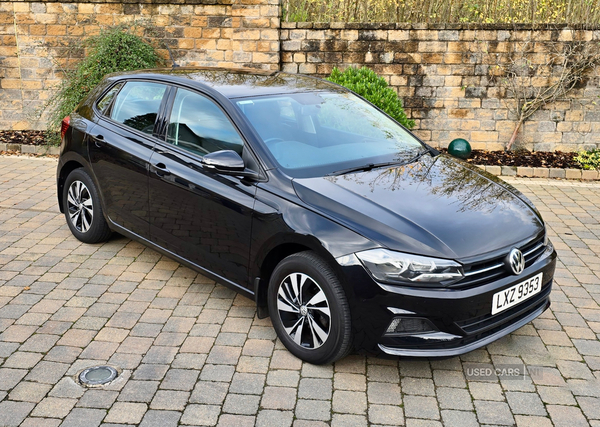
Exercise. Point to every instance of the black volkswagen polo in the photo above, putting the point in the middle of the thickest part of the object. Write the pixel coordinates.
(346, 230)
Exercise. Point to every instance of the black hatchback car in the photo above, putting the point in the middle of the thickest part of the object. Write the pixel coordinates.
(346, 230)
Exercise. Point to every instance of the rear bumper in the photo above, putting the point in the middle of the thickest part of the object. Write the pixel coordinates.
(461, 318)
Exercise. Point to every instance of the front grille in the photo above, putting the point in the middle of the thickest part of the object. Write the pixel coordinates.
(488, 321)
(494, 269)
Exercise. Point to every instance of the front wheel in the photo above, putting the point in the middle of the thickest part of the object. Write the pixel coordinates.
(82, 208)
(309, 309)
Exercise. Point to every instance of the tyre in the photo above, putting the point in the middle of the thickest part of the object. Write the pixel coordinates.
(82, 207)
(309, 309)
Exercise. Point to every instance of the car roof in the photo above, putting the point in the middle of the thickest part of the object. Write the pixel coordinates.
(235, 83)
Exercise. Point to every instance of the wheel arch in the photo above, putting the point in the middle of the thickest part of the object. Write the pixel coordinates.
(63, 173)
(275, 253)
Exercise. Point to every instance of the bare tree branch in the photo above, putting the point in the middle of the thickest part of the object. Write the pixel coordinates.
(565, 67)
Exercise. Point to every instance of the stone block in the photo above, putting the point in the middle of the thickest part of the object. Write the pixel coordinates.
(449, 35)
(541, 172)
(524, 171)
(317, 410)
(432, 47)
(290, 68)
(589, 175)
(28, 149)
(509, 170)
(291, 45)
(494, 170)
(573, 173)
(557, 173)
(307, 68)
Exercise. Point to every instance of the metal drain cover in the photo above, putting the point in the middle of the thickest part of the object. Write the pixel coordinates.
(98, 375)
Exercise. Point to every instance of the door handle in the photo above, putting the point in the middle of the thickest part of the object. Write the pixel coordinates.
(98, 139)
(160, 169)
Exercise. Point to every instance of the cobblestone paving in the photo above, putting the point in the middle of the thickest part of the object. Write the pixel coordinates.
(193, 353)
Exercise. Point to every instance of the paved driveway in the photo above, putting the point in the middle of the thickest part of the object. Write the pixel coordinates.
(193, 353)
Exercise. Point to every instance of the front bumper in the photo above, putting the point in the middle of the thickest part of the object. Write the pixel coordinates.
(462, 317)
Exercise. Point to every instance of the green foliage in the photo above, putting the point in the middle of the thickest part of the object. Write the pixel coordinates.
(374, 89)
(589, 159)
(578, 12)
(299, 13)
(114, 49)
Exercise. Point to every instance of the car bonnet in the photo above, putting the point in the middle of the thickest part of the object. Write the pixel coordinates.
(436, 206)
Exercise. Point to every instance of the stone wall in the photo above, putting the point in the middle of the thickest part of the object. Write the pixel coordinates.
(450, 80)
(448, 75)
(34, 35)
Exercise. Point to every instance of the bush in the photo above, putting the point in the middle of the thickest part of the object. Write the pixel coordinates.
(374, 89)
(589, 159)
(114, 49)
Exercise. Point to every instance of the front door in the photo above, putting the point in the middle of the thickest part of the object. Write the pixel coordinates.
(197, 214)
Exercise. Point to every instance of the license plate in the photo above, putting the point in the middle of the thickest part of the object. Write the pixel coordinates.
(512, 296)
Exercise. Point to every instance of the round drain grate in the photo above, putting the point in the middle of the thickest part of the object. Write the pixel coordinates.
(98, 375)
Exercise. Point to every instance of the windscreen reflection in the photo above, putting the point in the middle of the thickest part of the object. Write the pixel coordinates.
(317, 133)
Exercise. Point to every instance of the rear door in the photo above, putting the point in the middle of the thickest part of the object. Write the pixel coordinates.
(120, 150)
(200, 215)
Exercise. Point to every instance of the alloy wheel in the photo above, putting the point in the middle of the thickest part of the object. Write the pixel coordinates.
(80, 206)
(304, 310)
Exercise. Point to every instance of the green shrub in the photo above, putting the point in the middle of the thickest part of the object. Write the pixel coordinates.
(114, 49)
(374, 89)
(589, 159)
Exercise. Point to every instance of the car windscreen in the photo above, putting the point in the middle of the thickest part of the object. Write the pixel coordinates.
(318, 133)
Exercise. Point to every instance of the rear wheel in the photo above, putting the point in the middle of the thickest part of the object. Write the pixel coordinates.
(309, 309)
(83, 211)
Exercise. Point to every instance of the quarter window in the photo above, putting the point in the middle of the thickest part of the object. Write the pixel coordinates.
(137, 105)
(106, 99)
(198, 125)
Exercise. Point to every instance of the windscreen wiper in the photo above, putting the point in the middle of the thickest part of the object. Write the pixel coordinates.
(371, 166)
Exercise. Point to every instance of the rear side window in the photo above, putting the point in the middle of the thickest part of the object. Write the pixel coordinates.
(137, 105)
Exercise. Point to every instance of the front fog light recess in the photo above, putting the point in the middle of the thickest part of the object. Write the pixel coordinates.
(397, 267)
(409, 325)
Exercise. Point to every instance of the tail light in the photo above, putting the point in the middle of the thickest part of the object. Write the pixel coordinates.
(64, 126)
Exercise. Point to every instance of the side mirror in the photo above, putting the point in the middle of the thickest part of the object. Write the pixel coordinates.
(227, 162)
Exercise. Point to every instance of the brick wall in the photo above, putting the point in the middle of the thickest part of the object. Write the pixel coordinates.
(448, 78)
(224, 33)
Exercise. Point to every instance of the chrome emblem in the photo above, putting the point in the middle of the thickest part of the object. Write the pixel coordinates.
(516, 260)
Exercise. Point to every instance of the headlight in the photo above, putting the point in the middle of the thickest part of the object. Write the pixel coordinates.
(397, 267)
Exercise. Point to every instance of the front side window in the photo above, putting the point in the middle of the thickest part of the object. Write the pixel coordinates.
(198, 125)
(137, 105)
